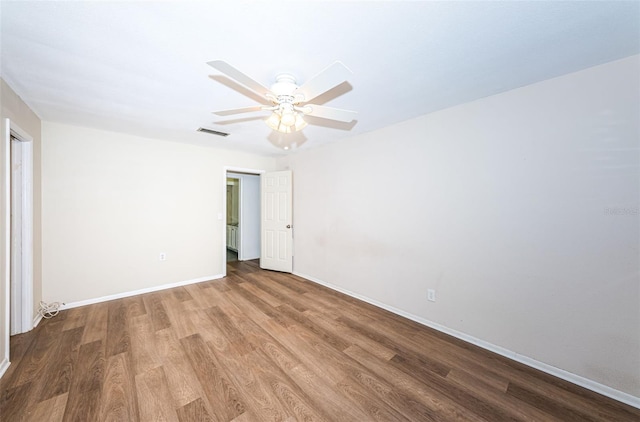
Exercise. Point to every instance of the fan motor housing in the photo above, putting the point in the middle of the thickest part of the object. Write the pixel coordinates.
(285, 85)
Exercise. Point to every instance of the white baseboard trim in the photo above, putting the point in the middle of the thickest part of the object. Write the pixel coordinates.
(37, 319)
(138, 292)
(4, 365)
(549, 369)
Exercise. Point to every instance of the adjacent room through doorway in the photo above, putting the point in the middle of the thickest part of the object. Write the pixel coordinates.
(242, 216)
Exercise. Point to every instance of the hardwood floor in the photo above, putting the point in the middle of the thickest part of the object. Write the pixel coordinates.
(263, 346)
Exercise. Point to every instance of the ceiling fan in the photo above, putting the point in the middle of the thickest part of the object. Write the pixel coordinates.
(289, 102)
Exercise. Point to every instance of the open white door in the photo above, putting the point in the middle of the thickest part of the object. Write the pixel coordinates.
(277, 235)
(16, 239)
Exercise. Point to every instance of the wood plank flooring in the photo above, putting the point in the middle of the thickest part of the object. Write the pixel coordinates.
(264, 346)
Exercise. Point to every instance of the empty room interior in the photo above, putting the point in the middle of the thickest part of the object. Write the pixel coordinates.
(323, 210)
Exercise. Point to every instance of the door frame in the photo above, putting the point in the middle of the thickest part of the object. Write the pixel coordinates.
(26, 321)
(223, 217)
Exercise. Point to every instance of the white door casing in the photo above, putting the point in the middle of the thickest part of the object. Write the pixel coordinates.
(19, 229)
(276, 231)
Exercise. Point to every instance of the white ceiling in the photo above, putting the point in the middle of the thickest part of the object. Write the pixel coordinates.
(140, 67)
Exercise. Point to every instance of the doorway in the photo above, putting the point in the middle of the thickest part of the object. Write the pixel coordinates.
(233, 217)
(19, 228)
(241, 215)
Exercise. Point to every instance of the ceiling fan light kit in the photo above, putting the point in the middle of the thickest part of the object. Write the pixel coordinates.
(286, 123)
(289, 102)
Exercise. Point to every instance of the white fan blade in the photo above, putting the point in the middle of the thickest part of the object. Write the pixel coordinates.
(330, 113)
(235, 74)
(330, 77)
(238, 110)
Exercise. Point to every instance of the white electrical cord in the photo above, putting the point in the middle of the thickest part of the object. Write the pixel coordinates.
(49, 310)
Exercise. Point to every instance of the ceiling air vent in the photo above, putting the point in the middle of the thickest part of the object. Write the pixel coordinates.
(212, 132)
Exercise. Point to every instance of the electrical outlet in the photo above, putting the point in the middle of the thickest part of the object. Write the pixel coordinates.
(431, 295)
(163, 256)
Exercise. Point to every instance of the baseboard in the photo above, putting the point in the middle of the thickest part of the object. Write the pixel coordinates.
(549, 369)
(137, 292)
(37, 319)
(4, 365)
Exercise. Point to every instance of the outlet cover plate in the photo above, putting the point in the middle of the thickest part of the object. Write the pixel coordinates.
(431, 295)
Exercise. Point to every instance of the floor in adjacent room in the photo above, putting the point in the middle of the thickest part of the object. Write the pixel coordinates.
(232, 255)
(262, 346)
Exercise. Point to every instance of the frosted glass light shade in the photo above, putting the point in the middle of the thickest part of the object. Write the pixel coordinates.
(288, 118)
(294, 120)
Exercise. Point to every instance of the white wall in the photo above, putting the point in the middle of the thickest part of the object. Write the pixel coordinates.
(250, 216)
(12, 107)
(113, 202)
(504, 206)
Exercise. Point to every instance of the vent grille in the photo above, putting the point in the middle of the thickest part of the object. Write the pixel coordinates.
(212, 132)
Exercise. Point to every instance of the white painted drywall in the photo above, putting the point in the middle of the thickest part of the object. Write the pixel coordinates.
(250, 215)
(113, 202)
(14, 108)
(520, 209)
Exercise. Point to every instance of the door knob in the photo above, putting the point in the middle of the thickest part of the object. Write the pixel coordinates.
(288, 226)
